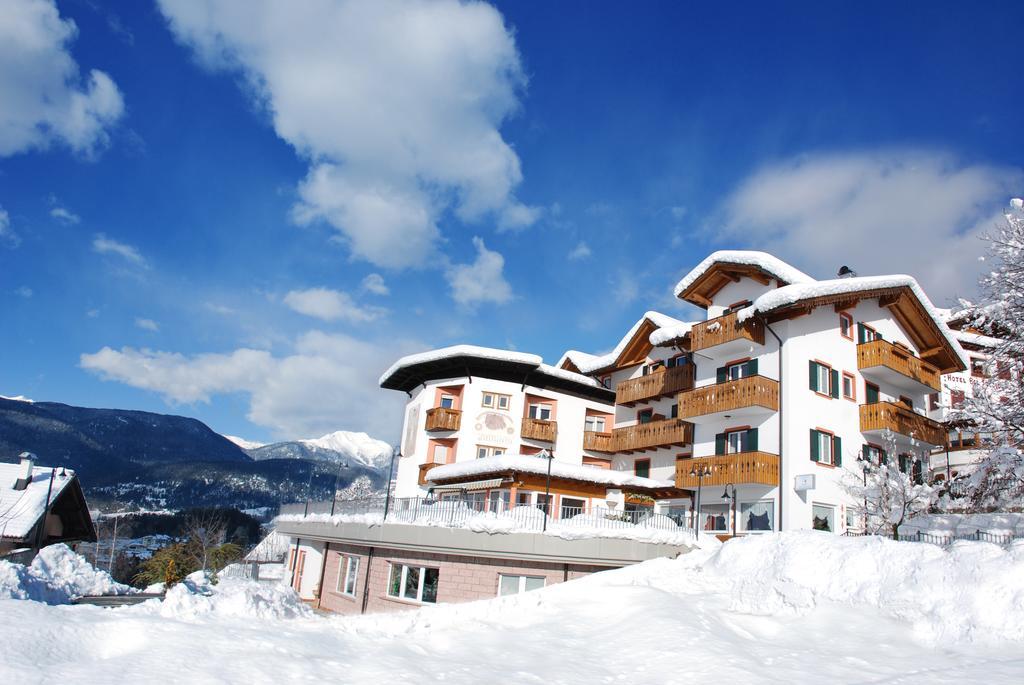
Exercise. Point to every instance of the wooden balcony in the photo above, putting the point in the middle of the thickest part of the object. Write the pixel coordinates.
(746, 396)
(881, 360)
(598, 442)
(442, 419)
(539, 429)
(661, 383)
(424, 470)
(742, 468)
(902, 422)
(652, 435)
(723, 330)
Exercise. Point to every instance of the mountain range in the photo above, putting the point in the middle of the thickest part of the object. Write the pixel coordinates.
(126, 458)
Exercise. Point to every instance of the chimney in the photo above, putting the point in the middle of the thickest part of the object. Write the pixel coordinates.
(28, 460)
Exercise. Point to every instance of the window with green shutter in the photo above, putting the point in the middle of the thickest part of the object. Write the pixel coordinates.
(870, 393)
(824, 446)
(815, 445)
(833, 380)
(823, 379)
(720, 443)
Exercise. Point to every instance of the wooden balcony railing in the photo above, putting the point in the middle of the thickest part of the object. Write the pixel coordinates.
(443, 419)
(539, 429)
(899, 419)
(424, 469)
(725, 329)
(884, 353)
(653, 434)
(752, 391)
(598, 442)
(745, 467)
(658, 384)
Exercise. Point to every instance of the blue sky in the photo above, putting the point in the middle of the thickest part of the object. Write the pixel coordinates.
(249, 212)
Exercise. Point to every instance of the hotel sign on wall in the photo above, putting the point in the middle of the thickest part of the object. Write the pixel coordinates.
(494, 428)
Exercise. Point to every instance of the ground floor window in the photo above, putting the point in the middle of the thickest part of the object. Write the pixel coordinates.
(757, 517)
(513, 585)
(544, 502)
(347, 580)
(823, 517)
(498, 500)
(524, 499)
(413, 582)
(714, 518)
(572, 507)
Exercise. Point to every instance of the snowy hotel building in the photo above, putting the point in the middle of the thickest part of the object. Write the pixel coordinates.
(746, 421)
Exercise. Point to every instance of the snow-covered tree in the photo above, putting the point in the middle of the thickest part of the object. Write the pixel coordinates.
(361, 488)
(886, 496)
(997, 405)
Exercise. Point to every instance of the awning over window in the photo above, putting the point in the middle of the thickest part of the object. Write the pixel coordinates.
(473, 485)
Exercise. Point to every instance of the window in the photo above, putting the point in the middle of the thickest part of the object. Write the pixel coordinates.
(736, 306)
(570, 507)
(823, 517)
(849, 386)
(846, 325)
(606, 381)
(484, 451)
(594, 424)
(978, 367)
(447, 401)
(498, 501)
(906, 402)
(495, 401)
(347, 580)
(824, 379)
(544, 502)
(871, 394)
(826, 448)
(736, 370)
(415, 583)
(956, 398)
(642, 468)
(714, 518)
(523, 499)
(540, 411)
(866, 333)
(757, 517)
(736, 441)
(513, 585)
(440, 454)
(933, 401)
(873, 454)
(678, 360)
(645, 416)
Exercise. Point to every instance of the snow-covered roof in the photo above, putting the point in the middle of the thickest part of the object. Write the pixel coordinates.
(589, 363)
(21, 509)
(977, 339)
(670, 333)
(791, 294)
(538, 465)
(762, 260)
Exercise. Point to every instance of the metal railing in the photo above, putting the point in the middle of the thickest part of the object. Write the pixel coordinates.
(943, 540)
(479, 513)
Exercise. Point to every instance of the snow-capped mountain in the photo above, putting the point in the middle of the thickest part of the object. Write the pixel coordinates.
(243, 443)
(339, 446)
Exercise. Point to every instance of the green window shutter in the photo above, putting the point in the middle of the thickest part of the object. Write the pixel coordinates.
(878, 336)
(837, 450)
(720, 443)
(882, 458)
(860, 332)
(814, 376)
(720, 374)
(752, 440)
(870, 394)
(903, 463)
(752, 367)
(815, 455)
(675, 410)
(864, 452)
(834, 377)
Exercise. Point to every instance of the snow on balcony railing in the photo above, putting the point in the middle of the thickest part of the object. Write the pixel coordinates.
(499, 517)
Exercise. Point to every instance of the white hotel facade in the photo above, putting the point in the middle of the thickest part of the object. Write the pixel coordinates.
(772, 398)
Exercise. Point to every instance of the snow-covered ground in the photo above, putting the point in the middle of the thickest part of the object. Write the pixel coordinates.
(800, 607)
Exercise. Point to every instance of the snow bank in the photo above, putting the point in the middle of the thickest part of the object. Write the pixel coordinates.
(195, 598)
(972, 591)
(57, 575)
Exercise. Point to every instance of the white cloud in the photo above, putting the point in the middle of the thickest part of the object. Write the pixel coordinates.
(217, 308)
(328, 383)
(92, 313)
(23, 291)
(625, 288)
(581, 251)
(45, 98)
(893, 211)
(64, 216)
(481, 281)
(147, 324)
(330, 305)
(374, 283)
(396, 104)
(7, 235)
(104, 245)
(678, 212)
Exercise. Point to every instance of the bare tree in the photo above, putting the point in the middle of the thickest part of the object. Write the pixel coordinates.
(886, 497)
(204, 531)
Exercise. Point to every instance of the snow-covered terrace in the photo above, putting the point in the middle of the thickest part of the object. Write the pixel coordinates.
(522, 463)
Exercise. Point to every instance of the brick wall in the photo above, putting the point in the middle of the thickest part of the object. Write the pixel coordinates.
(460, 578)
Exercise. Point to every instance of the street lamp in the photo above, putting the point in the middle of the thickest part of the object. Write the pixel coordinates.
(545, 454)
(337, 477)
(727, 496)
(863, 458)
(699, 472)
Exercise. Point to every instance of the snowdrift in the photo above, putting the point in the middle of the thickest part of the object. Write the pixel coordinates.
(56, 576)
(196, 598)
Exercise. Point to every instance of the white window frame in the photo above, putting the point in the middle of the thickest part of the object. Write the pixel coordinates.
(594, 424)
(489, 451)
(844, 379)
(825, 448)
(419, 586)
(450, 399)
(739, 367)
(504, 401)
(741, 442)
(522, 583)
(832, 517)
(824, 379)
(741, 523)
(538, 408)
(349, 577)
(488, 400)
(433, 455)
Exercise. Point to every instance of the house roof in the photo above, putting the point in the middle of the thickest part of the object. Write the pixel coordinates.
(485, 362)
(631, 349)
(725, 266)
(20, 510)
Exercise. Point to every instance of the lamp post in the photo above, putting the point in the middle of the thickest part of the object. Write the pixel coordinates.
(727, 497)
(391, 475)
(864, 470)
(699, 472)
(337, 477)
(547, 488)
